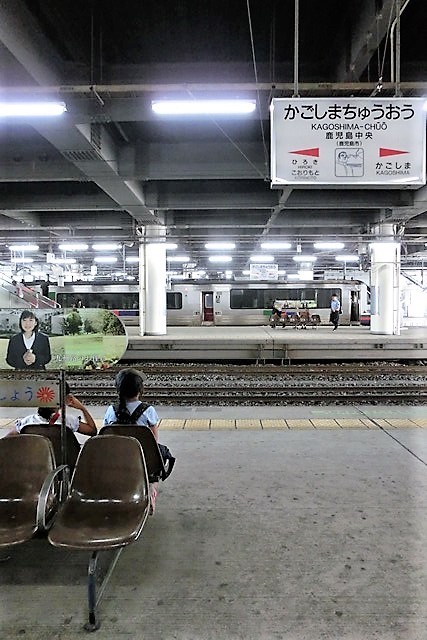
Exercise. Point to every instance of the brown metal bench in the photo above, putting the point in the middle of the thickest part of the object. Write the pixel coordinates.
(53, 433)
(106, 508)
(28, 495)
(153, 458)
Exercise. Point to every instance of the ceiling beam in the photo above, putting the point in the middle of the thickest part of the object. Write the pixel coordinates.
(368, 29)
(87, 147)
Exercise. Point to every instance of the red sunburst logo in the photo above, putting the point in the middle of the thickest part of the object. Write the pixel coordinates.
(45, 394)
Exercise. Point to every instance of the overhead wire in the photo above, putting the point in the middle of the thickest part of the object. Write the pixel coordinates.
(381, 65)
(264, 175)
(266, 157)
(230, 139)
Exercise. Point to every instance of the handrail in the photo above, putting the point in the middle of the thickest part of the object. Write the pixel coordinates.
(414, 281)
(22, 292)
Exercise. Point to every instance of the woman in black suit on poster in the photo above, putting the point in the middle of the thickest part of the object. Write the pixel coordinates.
(29, 349)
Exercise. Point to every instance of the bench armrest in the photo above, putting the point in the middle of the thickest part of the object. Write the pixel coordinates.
(42, 505)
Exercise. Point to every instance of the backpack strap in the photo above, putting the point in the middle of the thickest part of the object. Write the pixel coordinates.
(137, 413)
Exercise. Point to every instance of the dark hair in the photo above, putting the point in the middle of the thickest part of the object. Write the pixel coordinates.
(46, 412)
(28, 314)
(129, 383)
(67, 389)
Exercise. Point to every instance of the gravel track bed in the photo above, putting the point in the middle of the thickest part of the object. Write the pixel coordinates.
(222, 384)
(266, 385)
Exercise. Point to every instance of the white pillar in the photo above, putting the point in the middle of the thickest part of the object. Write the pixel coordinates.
(385, 294)
(155, 281)
(141, 287)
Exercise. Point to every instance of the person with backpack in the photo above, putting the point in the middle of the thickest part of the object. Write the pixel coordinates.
(131, 410)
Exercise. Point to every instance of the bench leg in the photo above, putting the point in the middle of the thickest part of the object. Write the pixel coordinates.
(93, 598)
(93, 623)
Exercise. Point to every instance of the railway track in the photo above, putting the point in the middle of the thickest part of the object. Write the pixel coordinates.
(222, 384)
(268, 396)
(267, 385)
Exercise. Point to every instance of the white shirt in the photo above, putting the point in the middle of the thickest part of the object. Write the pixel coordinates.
(72, 422)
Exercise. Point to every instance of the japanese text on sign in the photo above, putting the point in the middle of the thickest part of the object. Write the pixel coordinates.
(26, 393)
(357, 142)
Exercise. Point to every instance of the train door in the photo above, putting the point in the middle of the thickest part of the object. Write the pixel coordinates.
(354, 306)
(207, 307)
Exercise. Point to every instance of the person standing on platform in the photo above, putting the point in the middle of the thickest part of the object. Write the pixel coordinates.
(44, 286)
(335, 311)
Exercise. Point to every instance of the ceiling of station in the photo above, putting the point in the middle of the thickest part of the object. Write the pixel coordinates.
(109, 168)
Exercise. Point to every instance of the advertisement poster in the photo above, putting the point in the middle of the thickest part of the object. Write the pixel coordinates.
(43, 339)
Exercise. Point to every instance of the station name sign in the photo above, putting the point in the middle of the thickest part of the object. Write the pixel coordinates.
(369, 142)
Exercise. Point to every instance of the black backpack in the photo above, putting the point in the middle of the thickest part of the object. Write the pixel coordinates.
(124, 417)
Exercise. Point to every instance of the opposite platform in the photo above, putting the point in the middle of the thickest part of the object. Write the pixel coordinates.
(281, 344)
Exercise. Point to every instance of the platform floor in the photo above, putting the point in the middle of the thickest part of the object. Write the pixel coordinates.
(289, 344)
(310, 531)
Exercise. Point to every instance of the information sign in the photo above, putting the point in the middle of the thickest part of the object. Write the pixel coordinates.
(264, 271)
(348, 141)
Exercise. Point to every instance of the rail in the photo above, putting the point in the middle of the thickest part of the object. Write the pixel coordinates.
(264, 385)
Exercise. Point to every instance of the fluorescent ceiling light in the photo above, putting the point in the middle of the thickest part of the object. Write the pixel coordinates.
(105, 246)
(23, 247)
(348, 258)
(177, 258)
(262, 258)
(293, 276)
(302, 258)
(222, 259)
(37, 109)
(203, 107)
(329, 245)
(64, 261)
(73, 246)
(22, 260)
(170, 246)
(246, 272)
(281, 272)
(276, 245)
(106, 259)
(220, 245)
(132, 259)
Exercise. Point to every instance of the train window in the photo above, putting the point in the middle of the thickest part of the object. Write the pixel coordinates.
(173, 300)
(324, 297)
(247, 299)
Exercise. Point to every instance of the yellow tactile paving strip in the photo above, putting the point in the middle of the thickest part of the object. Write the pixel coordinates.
(205, 424)
(5, 422)
(274, 424)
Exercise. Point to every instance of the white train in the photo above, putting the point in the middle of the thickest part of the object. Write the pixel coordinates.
(199, 302)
